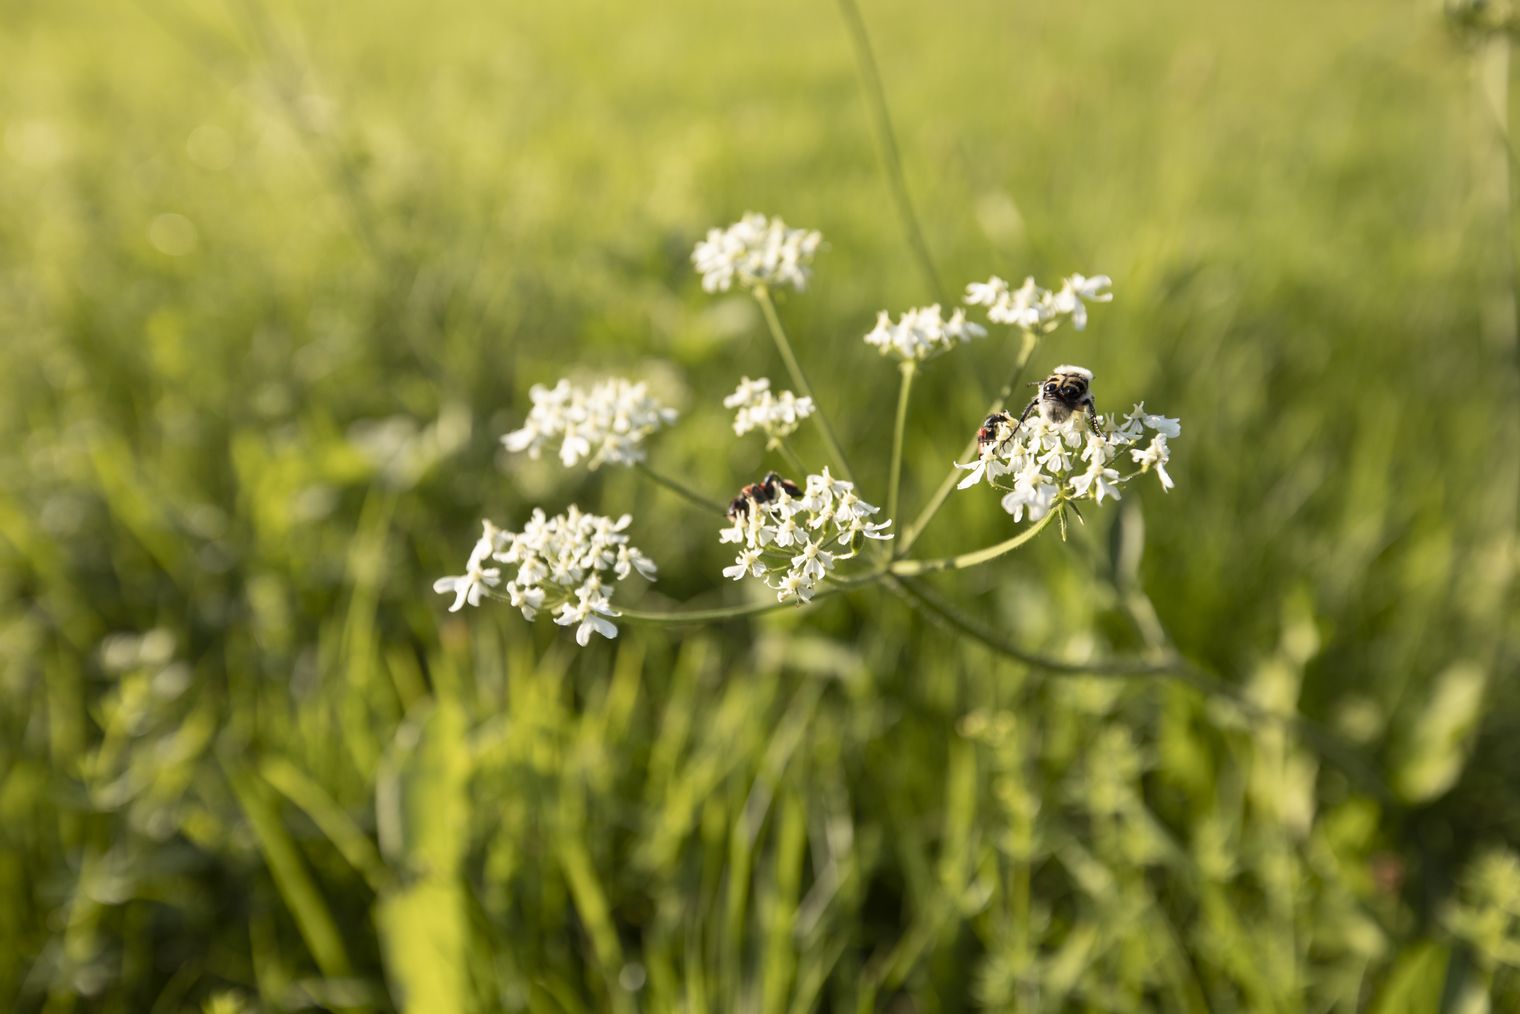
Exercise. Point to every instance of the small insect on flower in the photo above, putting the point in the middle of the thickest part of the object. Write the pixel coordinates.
(1067, 390)
(1066, 452)
(792, 537)
(760, 492)
(988, 434)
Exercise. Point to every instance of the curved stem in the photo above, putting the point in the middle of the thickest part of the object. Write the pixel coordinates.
(700, 615)
(904, 391)
(937, 501)
(912, 568)
(1166, 664)
(680, 489)
(923, 601)
(751, 609)
(799, 379)
(890, 157)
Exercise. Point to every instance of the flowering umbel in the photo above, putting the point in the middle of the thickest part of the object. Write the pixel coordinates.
(777, 415)
(567, 565)
(792, 538)
(603, 424)
(1039, 464)
(756, 252)
(921, 333)
(1037, 310)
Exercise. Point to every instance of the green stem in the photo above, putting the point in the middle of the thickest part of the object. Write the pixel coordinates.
(799, 379)
(752, 609)
(899, 427)
(891, 158)
(680, 489)
(793, 462)
(1169, 665)
(913, 568)
(937, 501)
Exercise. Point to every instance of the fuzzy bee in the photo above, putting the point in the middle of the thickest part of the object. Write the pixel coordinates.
(763, 491)
(1068, 389)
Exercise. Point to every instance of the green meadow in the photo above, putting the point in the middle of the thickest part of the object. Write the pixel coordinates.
(275, 277)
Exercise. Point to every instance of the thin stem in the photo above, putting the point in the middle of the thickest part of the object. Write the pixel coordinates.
(926, 602)
(1168, 665)
(899, 427)
(891, 158)
(680, 489)
(937, 501)
(799, 470)
(799, 379)
(700, 615)
(752, 609)
(913, 568)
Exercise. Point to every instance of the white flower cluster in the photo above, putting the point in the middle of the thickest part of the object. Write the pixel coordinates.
(562, 564)
(1042, 463)
(1039, 310)
(605, 424)
(921, 333)
(758, 408)
(782, 532)
(756, 251)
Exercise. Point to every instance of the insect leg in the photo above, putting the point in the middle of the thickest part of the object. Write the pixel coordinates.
(1025, 414)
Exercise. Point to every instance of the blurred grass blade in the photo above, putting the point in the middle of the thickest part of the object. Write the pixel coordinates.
(422, 809)
(302, 897)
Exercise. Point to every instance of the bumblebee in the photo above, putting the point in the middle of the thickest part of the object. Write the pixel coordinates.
(1068, 389)
(763, 491)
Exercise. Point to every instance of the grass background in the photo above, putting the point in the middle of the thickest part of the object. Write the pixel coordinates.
(275, 276)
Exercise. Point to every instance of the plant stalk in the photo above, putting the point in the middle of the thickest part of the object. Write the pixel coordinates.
(799, 379)
(937, 501)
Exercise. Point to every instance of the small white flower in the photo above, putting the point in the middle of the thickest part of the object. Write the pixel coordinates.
(756, 251)
(1098, 479)
(793, 586)
(748, 392)
(812, 562)
(587, 618)
(746, 564)
(605, 424)
(469, 587)
(1076, 292)
(921, 332)
(1155, 457)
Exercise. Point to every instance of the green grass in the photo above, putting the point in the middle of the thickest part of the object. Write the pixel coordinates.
(274, 277)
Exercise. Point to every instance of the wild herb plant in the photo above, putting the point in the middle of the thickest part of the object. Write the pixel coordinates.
(809, 537)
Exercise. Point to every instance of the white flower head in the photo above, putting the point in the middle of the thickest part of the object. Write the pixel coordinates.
(569, 564)
(921, 333)
(1033, 308)
(756, 251)
(1039, 464)
(777, 415)
(793, 537)
(603, 424)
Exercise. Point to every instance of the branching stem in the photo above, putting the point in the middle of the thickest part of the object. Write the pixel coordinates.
(799, 379)
(913, 531)
(899, 427)
(681, 489)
